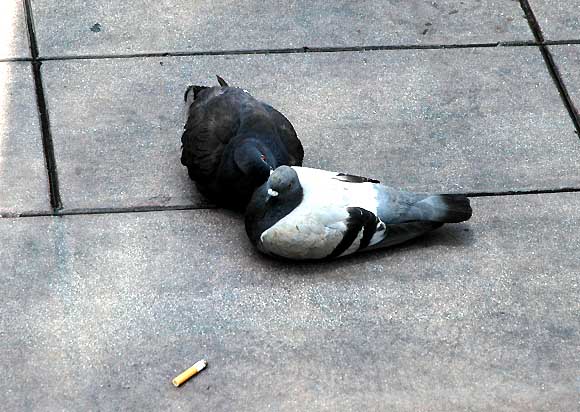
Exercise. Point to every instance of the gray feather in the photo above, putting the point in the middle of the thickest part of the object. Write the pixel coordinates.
(403, 232)
(401, 207)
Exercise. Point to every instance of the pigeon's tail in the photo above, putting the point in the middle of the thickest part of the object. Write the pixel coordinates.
(189, 96)
(222, 82)
(442, 208)
(191, 93)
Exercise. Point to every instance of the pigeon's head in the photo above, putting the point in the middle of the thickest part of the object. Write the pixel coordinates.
(283, 182)
(255, 162)
(267, 157)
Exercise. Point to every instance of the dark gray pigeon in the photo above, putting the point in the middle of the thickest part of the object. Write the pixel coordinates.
(232, 142)
(302, 213)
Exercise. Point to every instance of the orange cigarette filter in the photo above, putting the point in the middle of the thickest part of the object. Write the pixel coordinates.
(189, 373)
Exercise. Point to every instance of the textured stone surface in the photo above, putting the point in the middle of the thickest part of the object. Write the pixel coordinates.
(108, 308)
(116, 127)
(559, 20)
(437, 120)
(567, 59)
(23, 180)
(80, 27)
(13, 32)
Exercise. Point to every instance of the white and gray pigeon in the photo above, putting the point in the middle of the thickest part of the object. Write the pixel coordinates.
(302, 213)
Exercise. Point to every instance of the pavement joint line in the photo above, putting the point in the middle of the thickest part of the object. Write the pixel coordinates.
(523, 192)
(133, 209)
(551, 65)
(110, 210)
(147, 209)
(297, 50)
(560, 42)
(293, 50)
(15, 59)
(47, 143)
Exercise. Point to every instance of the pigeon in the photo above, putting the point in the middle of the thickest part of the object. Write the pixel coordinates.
(232, 141)
(302, 213)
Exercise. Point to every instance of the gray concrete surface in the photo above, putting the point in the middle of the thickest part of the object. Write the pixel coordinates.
(100, 312)
(23, 180)
(116, 127)
(567, 59)
(77, 27)
(432, 120)
(13, 31)
(559, 20)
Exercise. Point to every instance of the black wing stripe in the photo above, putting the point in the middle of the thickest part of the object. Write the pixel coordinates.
(370, 228)
(359, 219)
(354, 179)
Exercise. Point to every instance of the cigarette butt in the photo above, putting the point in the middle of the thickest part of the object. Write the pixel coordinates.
(188, 373)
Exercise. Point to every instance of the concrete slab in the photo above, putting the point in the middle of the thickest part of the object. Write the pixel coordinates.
(567, 59)
(13, 31)
(485, 119)
(116, 128)
(559, 20)
(108, 308)
(111, 27)
(23, 179)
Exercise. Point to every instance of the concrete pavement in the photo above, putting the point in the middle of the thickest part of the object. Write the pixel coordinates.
(112, 285)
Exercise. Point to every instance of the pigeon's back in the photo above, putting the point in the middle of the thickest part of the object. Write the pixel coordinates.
(213, 120)
(220, 120)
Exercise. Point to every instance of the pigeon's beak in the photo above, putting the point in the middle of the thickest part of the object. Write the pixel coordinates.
(272, 193)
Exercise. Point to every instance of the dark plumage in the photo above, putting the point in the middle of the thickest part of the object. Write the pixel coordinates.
(232, 141)
(303, 213)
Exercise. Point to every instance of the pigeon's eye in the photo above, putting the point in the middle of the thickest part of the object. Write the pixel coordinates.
(263, 157)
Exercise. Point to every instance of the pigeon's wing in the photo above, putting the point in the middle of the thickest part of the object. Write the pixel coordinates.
(213, 121)
(288, 136)
(331, 178)
(322, 233)
(395, 234)
(354, 179)
(360, 229)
